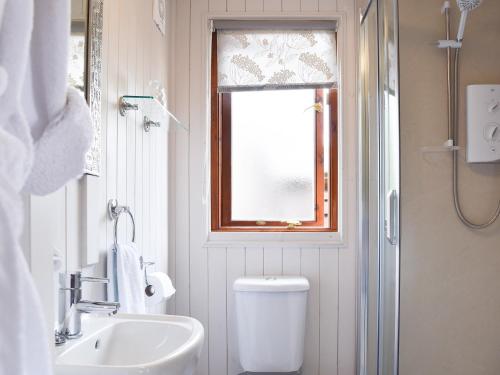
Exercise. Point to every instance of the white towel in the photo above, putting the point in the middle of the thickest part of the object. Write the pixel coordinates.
(33, 103)
(23, 337)
(130, 279)
(60, 152)
(59, 117)
(23, 340)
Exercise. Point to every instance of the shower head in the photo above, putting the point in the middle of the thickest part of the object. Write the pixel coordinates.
(468, 5)
(465, 7)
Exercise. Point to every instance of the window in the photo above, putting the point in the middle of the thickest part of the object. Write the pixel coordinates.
(274, 162)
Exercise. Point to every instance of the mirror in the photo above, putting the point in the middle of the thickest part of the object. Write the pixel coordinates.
(85, 67)
(77, 50)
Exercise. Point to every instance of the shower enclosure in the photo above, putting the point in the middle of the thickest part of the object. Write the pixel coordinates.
(378, 95)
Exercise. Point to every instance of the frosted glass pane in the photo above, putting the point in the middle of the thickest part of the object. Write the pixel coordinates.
(273, 155)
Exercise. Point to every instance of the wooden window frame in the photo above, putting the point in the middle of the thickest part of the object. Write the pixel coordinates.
(220, 169)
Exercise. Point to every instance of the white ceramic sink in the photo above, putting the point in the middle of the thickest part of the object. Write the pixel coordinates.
(128, 344)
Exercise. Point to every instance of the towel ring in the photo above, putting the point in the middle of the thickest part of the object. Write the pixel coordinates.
(114, 211)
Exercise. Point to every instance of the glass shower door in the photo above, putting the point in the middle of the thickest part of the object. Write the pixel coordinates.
(390, 189)
(379, 148)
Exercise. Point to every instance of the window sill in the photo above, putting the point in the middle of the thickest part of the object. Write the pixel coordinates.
(279, 239)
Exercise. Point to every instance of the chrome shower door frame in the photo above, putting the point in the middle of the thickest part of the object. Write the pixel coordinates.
(379, 187)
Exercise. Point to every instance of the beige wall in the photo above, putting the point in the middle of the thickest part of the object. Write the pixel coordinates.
(450, 275)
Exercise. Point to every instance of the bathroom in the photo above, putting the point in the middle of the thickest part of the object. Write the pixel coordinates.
(395, 272)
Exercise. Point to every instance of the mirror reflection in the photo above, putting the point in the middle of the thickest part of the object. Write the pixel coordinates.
(77, 67)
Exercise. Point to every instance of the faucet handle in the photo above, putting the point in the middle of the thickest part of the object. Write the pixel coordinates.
(77, 279)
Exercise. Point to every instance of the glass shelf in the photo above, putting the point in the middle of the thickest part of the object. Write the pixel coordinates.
(437, 149)
(149, 106)
(447, 146)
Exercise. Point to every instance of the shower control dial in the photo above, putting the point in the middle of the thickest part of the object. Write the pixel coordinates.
(492, 132)
(494, 106)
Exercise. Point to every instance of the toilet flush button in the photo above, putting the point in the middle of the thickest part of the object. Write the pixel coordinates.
(4, 80)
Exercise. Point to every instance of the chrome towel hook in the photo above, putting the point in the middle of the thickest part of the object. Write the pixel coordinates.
(114, 212)
(148, 123)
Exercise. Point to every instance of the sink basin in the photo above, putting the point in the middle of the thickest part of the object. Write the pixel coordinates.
(127, 344)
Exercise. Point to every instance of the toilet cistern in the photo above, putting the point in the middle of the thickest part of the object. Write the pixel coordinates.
(271, 321)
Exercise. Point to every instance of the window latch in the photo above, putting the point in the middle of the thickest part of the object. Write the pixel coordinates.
(318, 107)
(291, 224)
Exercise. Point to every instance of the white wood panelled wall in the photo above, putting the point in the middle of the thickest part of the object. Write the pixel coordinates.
(204, 275)
(134, 163)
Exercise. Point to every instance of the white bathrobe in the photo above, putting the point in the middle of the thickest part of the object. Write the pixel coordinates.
(44, 134)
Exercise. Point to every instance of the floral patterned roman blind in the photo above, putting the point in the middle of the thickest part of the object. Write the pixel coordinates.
(276, 59)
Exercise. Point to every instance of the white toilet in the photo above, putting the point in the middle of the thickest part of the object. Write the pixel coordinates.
(271, 319)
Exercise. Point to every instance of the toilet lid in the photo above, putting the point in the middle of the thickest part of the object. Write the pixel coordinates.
(271, 284)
